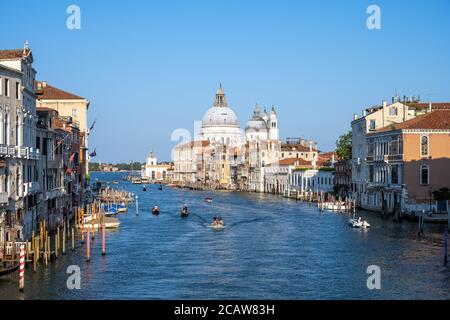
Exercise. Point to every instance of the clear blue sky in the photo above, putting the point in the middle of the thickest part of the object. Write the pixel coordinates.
(149, 67)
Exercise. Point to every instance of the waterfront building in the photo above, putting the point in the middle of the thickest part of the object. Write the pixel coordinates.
(189, 162)
(343, 177)
(59, 168)
(408, 161)
(18, 153)
(262, 147)
(68, 105)
(277, 175)
(153, 170)
(299, 148)
(372, 119)
(312, 181)
(73, 108)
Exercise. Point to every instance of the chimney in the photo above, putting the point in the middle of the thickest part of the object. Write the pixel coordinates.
(364, 113)
(430, 107)
(384, 104)
(355, 116)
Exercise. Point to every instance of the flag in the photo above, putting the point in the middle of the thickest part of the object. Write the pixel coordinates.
(69, 171)
(92, 127)
(93, 154)
(72, 158)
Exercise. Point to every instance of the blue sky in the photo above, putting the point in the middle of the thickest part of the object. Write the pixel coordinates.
(149, 67)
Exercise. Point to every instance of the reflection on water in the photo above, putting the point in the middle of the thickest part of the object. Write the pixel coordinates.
(272, 248)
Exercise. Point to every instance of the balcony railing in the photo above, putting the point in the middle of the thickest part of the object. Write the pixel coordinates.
(384, 158)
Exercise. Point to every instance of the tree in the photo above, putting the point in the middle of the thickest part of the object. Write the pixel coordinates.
(344, 146)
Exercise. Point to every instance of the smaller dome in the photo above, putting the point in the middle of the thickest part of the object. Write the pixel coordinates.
(257, 122)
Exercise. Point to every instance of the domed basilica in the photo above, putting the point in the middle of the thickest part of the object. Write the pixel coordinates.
(220, 124)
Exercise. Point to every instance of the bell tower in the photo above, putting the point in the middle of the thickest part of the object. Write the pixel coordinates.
(274, 132)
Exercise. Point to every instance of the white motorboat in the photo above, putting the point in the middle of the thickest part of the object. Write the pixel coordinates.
(217, 227)
(358, 223)
(110, 223)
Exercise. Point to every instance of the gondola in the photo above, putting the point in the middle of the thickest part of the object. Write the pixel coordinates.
(144, 189)
(160, 187)
(155, 211)
(184, 213)
(8, 270)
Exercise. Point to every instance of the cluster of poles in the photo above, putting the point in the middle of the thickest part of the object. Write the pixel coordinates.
(43, 249)
(330, 202)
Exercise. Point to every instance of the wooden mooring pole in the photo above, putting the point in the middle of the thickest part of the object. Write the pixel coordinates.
(88, 249)
(73, 238)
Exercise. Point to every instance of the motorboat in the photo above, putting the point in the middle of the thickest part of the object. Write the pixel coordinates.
(110, 210)
(155, 210)
(217, 226)
(110, 223)
(209, 200)
(358, 223)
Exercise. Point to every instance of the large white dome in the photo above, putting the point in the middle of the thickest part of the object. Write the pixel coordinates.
(220, 117)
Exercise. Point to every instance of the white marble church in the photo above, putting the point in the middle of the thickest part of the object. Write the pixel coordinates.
(224, 155)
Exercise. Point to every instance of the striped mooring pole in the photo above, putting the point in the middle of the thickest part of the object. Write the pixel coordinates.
(22, 268)
(103, 240)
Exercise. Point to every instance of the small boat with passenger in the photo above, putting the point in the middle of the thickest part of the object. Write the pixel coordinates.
(155, 210)
(208, 200)
(184, 212)
(217, 224)
(359, 223)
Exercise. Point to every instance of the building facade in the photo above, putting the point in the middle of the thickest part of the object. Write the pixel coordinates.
(155, 171)
(18, 153)
(408, 162)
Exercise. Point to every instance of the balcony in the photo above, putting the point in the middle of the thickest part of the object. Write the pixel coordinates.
(384, 158)
(30, 188)
(3, 198)
(11, 151)
(34, 154)
(55, 193)
(22, 152)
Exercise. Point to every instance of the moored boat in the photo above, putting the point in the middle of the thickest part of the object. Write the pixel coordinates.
(5, 270)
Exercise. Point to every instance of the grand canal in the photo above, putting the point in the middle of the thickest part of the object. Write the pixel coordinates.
(272, 248)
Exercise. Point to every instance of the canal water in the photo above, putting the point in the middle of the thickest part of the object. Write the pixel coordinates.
(272, 248)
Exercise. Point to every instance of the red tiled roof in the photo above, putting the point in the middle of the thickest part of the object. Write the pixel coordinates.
(295, 147)
(436, 119)
(52, 93)
(328, 155)
(294, 162)
(12, 54)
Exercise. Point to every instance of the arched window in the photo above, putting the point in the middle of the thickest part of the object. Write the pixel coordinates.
(424, 175)
(424, 146)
